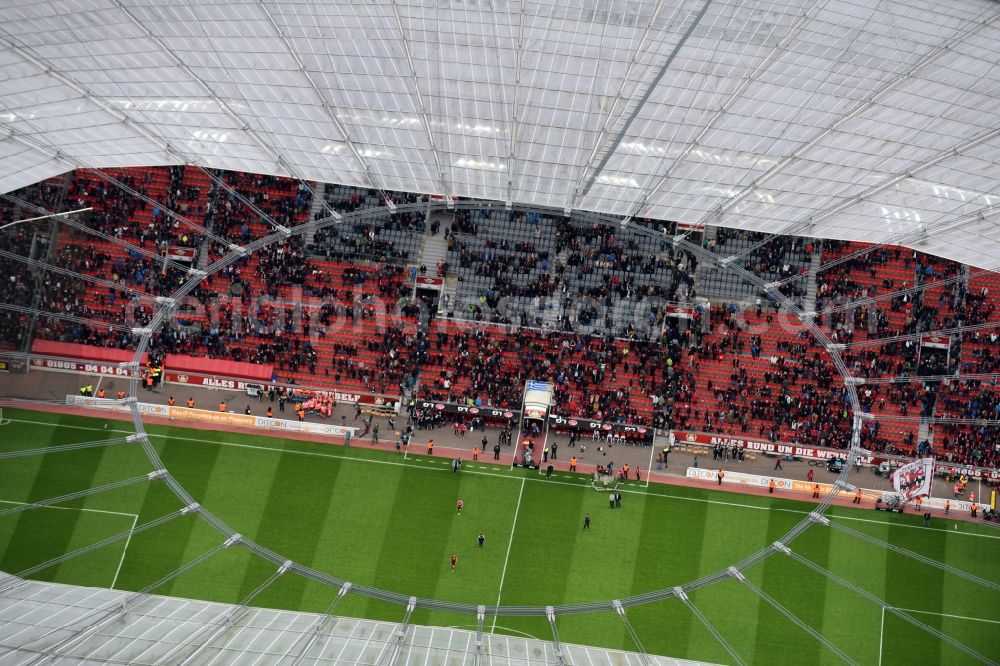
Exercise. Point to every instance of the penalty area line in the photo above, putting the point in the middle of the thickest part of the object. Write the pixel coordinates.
(510, 542)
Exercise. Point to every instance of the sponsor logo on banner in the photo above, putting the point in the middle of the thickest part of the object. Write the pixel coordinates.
(115, 406)
(679, 311)
(210, 382)
(91, 367)
(430, 281)
(208, 416)
(777, 448)
(935, 341)
(448, 408)
(705, 474)
(590, 425)
(178, 253)
(914, 479)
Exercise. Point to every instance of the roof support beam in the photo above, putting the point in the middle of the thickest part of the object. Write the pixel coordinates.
(550, 615)
(309, 638)
(929, 59)
(425, 120)
(396, 647)
(328, 108)
(809, 223)
(280, 163)
(514, 108)
(638, 209)
(108, 613)
(607, 144)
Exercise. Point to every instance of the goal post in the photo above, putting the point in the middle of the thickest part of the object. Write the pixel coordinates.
(3, 421)
(603, 483)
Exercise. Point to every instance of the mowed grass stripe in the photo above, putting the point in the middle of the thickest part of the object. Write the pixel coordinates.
(235, 491)
(778, 640)
(155, 554)
(549, 532)
(682, 530)
(727, 539)
(909, 584)
(488, 509)
(673, 537)
(296, 508)
(356, 525)
(57, 475)
(606, 565)
(404, 552)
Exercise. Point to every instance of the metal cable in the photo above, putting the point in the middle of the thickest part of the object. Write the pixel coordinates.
(94, 232)
(92, 323)
(878, 342)
(94, 546)
(108, 612)
(22, 453)
(771, 601)
(737, 659)
(114, 485)
(947, 568)
(892, 609)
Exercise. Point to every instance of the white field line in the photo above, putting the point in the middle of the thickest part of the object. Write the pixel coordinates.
(881, 631)
(74, 508)
(510, 542)
(579, 484)
(133, 516)
(124, 551)
(957, 617)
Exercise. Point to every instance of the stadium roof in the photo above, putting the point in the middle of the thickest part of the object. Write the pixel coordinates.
(873, 121)
(85, 625)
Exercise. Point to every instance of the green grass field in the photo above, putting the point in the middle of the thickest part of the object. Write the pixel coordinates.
(373, 518)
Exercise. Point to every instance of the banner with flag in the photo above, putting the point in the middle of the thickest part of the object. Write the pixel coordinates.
(178, 253)
(914, 479)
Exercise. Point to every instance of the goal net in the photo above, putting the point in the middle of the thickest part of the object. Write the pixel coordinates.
(603, 483)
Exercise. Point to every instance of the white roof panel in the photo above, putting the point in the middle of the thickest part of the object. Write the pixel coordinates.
(754, 116)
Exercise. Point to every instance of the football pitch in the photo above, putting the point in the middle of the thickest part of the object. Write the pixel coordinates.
(374, 518)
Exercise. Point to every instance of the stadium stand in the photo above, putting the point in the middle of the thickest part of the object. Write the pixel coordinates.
(396, 237)
(584, 308)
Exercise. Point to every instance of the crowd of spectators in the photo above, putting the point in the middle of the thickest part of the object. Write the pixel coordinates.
(736, 369)
(568, 274)
(614, 380)
(393, 237)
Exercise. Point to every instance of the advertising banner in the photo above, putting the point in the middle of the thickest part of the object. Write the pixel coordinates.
(708, 474)
(935, 341)
(69, 365)
(424, 281)
(209, 382)
(177, 253)
(590, 425)
(705, 474)
(449, 408)
(115, 406)
(214, 417)
(679, 311)
(764, 446)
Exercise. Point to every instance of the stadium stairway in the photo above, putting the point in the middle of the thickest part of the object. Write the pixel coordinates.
(434, 249)
(812, 286)
(317, 211)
